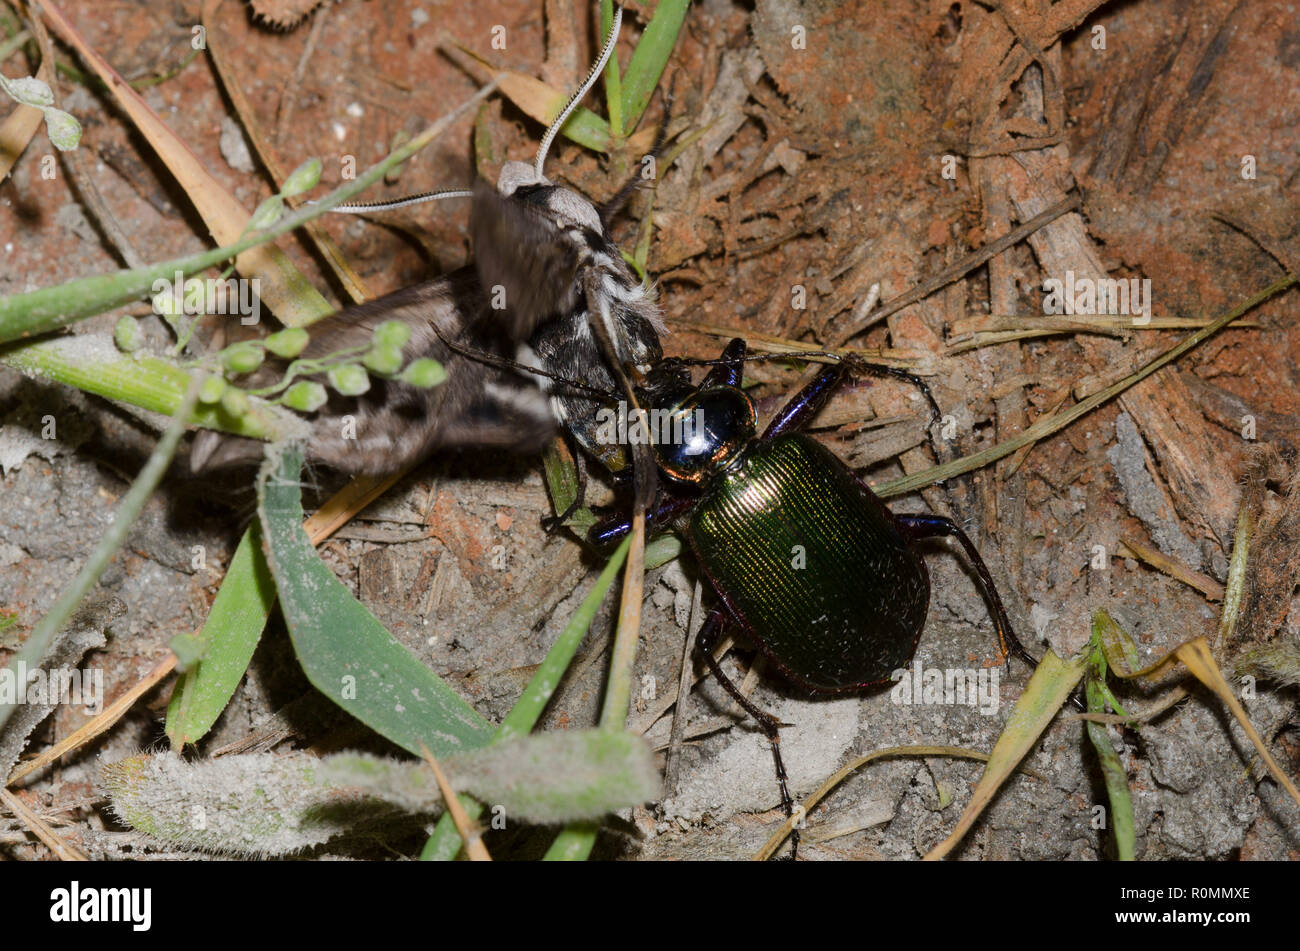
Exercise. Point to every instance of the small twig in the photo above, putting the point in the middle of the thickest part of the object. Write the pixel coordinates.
(560, 68)
(1018, 459)
(288, 97)
(469, 833)
(769, 848)
(1234, 591)
(38, 825)
(15, 42)
(1047, 425)
(915, 360)
(949, 274)
(749, 682)
(352, 283)
(345, 504)
(712, 725)
(678, 732)
(618, 693)
(1174, 568)
(1051, 83)
(646, 722)
(1267, 242)
(1034, 144)
(110, 715)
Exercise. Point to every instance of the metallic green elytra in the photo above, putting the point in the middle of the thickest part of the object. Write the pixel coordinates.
(802, 555)
(811, 562)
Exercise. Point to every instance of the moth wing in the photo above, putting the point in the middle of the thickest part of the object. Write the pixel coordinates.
(526, 264)
(393, 424)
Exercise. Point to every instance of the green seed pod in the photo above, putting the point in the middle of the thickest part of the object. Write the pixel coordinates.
(235, 402)
(287, 343)
(267, 213)
(383, 360)
(301, 179)
(30, 91)
(424, 373)
(305, 396)
(350, 379)
(242, 357)
(213, 388)
(128, 334)
(391, 333)
(63, 129)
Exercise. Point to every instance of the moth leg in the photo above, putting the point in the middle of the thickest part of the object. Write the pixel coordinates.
(705, 641)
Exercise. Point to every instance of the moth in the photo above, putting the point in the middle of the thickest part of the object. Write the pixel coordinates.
(539, 332)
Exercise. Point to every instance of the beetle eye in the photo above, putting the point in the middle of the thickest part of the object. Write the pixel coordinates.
(701, 433)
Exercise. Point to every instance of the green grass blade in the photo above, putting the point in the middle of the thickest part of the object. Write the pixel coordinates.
(587, 129)
(649, 59)
(1112, 770)
(573, 844)
(560, 472)
(523, 716)
(92, 364)
(344, 651)
(231, 632)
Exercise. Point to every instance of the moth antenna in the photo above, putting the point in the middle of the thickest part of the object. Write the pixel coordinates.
(364, 207)
(582, 91)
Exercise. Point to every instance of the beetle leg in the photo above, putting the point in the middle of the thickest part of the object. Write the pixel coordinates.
(799, 412)
(861, 367)
(730, 366)
(936, 526)
(614, 528)
(705, 641)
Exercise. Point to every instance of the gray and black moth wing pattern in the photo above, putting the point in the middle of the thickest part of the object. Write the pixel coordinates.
(525, 258)
(393, 424)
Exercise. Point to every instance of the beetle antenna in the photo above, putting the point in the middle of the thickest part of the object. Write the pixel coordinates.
(582, 91)
(858, 365)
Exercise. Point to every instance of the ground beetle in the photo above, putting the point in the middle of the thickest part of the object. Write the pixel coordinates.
(803, 556)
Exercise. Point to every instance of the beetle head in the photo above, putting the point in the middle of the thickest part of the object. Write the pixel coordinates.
(701, 431)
